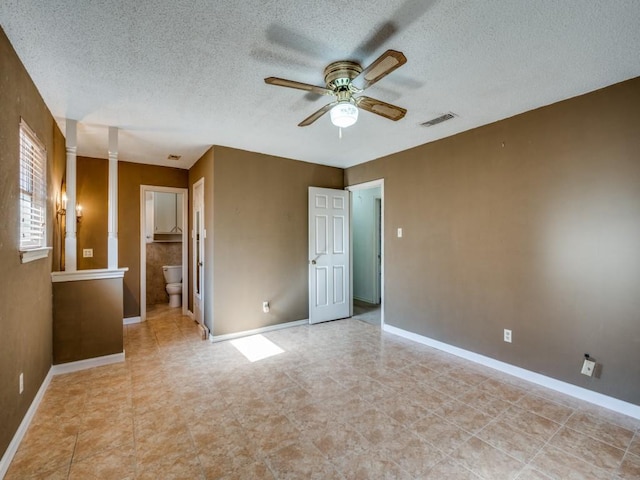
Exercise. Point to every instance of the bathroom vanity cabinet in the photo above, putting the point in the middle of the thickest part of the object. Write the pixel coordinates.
(163, 217)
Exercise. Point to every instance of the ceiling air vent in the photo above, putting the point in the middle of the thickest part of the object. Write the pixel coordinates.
(440, 119)
(174, 157)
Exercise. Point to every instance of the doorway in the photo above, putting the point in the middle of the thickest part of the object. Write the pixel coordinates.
(367, 227)
(163, 241)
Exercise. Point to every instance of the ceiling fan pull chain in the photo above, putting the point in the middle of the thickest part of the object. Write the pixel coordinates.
(340, 133)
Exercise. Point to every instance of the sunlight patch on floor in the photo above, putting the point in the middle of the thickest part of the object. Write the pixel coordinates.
(256, 347)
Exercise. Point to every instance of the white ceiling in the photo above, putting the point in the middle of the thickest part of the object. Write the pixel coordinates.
(178, 77)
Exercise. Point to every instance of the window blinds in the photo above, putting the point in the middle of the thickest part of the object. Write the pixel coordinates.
(33, 190)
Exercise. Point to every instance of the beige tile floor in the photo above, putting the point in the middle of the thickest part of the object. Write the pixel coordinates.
(343, 401)
(367, 312)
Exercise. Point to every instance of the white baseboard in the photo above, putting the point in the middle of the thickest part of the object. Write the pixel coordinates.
(24, 426)
(246, 333)
(580, 393)
(88, 363)
(190, 315)
(131, 320)
(365, 300)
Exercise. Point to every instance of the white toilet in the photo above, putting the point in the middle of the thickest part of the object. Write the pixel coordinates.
(173, 278)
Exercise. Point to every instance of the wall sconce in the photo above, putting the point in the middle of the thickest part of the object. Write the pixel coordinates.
(61, 206)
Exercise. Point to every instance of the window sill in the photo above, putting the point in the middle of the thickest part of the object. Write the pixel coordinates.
(27, 256)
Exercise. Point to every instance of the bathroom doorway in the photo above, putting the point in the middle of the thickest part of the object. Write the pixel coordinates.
(163, 242)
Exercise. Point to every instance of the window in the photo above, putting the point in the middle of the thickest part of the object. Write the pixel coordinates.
(33, 194)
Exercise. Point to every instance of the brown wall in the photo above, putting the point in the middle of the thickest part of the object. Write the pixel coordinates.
(87, 319)
(130, 177)
(260, 234)
(92, 192)
(530, 224)
(25, 304)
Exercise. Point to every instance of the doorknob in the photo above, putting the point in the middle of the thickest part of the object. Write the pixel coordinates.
(313, 262)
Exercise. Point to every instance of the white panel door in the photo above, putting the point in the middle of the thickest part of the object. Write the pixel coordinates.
(198, 235)
(329, 261)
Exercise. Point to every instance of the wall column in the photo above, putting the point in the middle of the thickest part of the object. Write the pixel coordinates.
(112, 245)
(70, 239)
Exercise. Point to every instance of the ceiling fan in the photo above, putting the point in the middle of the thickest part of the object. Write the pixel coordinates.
(344, 80)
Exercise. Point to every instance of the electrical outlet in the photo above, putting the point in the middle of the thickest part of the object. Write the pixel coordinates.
(588, 367)
(87, 252)
(507, 335)
(399, 232)
(265, 307)
(21, 383)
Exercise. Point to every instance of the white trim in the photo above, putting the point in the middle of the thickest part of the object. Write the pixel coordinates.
(112, 208)
(27, 256)
(24, 426)
(143, 254)
(377, 242)
(70, 240)
(131, 320)
(580, 393)
(86, 364)
(366, 186)
(198, 299)
(364, 300)
(246, 333)
(190, 315)
(143, 245)
(97, 274)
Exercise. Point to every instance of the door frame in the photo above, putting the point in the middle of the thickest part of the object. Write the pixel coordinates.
(366, 186)
(143, 245)
(377, 285)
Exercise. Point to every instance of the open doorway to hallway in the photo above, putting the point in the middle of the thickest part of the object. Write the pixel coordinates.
(367, 204)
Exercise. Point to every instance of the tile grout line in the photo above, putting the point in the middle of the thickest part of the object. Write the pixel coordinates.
(168, 359)
(628, 451)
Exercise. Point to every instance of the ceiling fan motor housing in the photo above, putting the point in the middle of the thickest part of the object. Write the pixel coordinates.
(338, 75)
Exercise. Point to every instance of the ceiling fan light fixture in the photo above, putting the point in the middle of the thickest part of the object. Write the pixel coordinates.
(344, 114)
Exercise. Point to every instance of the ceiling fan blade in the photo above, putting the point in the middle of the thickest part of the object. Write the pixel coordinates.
(316, 115)
(384, 109)
(383, 66)
(281, 82)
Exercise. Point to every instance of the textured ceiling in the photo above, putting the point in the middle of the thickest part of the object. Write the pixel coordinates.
(178, 77)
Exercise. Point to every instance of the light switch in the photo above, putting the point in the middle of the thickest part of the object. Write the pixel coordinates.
(399, 232)
(87, 252)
